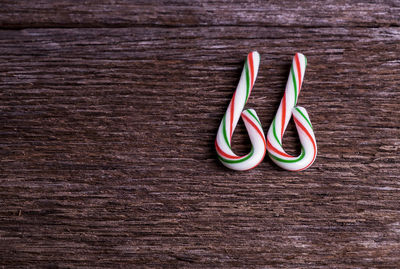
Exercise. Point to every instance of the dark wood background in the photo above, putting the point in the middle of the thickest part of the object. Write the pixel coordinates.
(109, 110)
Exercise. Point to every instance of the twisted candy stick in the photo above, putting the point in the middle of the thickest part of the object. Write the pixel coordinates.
(301, 120)
(250, 118)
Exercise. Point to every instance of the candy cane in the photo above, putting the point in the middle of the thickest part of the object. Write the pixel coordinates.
(250, 118)
(301, 120)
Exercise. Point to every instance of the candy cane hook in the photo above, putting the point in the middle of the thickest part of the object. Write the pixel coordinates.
(301, 119)
(250, 118)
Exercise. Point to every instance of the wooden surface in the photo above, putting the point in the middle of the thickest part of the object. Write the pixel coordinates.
(109, 110)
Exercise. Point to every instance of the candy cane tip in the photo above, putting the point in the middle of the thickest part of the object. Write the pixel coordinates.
(302, 109)
(256, 56)
(250, 110)
(301, 113)
(254, 52)
(302, 58)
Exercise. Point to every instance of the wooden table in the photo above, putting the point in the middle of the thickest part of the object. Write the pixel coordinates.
(109, 111)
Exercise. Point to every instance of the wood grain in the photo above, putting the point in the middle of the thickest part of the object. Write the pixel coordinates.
(167, 13)
(109, 111)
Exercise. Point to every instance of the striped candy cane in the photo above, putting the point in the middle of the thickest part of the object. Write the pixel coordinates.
(301, 119)
(250, 118)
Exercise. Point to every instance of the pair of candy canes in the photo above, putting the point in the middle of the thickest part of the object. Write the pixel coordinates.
(273, 143)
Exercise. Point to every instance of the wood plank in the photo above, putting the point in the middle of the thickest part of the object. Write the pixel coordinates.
(108, 160)
(124, 13)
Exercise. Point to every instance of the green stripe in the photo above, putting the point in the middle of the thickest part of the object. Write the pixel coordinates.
(295, 85)
(303, 153)
(254, 117)
(224, 131)
(306, 61)
(247, 80)
(301, 113)
(274, 130)
(238, 160)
